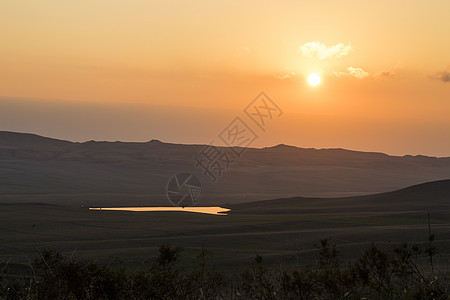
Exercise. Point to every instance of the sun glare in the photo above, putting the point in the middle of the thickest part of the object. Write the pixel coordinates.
(313, 79)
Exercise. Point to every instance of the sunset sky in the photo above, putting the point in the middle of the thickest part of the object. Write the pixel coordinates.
(181, 71)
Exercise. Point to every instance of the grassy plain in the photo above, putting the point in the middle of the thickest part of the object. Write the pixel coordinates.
(285, 239)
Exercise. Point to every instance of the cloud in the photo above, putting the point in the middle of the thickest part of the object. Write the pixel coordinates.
(355, 72)
(282, 77)
(389, 73)
(244, 51)
(384, 74)
(285, 73)
(443, 76)
(321, 51)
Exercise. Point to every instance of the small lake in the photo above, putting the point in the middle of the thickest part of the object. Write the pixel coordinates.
(212, 210)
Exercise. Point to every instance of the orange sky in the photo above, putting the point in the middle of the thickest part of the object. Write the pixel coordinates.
(180, 71)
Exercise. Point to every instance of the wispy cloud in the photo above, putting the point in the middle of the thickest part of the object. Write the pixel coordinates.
(321, 51)
(282, 77)
(443, 76)
(285, 73)
(384, 74)
(389, 73)
(355, 72)
(244, 51)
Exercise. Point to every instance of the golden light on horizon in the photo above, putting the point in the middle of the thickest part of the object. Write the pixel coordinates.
(313, 79)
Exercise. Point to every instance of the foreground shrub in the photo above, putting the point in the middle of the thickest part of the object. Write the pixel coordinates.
(377, 274)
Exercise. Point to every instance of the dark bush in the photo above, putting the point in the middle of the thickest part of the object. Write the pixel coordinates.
(395, 273)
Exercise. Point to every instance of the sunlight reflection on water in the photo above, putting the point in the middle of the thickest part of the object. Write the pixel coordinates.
(212, 210)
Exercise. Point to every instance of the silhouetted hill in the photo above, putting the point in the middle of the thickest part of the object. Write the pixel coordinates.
(427, 196)
(14, 139)
(34, 168)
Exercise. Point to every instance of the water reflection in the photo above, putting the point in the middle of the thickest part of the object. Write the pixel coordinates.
(212, 210)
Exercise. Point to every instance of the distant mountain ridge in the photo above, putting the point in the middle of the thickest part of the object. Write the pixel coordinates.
(36, 168)
(23, 138)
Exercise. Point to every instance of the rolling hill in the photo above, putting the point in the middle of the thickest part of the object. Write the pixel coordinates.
(422, 197)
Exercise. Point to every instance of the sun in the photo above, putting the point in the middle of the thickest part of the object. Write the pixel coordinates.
(313, 79)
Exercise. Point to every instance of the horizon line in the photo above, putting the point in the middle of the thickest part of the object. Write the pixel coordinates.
(221, 146)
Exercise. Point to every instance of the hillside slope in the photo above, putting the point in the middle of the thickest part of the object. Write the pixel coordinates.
(427, 196)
